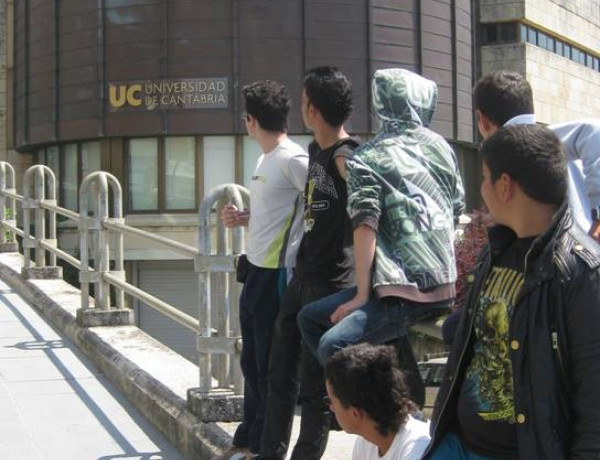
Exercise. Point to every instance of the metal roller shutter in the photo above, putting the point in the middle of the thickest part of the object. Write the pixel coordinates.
(175, 282)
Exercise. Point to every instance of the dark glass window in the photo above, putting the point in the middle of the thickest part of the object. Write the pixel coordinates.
(508, 32)
(542, 39)
(559, 47)
(589, 61)
(567, 51)
(532, 36)
(596, 64)
(550, 43)
(490, 33)
(523, 36)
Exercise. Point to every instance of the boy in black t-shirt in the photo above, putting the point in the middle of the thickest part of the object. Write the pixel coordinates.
(324, 266)
(523, 373)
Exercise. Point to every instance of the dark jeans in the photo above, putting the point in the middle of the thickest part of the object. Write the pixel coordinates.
(293, 369)
(379, 321)
(259, 304)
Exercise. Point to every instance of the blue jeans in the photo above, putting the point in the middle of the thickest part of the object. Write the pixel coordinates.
(451, 448)
(378, 321)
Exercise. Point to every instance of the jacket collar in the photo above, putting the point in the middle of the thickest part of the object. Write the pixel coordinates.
(541, 254)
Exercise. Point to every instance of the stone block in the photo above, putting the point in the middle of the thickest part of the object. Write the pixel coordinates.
(9, 247)
(221, 406)
(94, 317)
(42, 273)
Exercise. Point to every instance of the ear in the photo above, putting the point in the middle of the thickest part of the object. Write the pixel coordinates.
(357, 414)
(486, 127)
(507, 187)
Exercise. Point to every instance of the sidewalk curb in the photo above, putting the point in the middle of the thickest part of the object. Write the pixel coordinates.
(156, 401)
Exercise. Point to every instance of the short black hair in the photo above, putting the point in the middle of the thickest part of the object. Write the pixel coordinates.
(502, 95)
(269, 102)
(330, 91)
(532, 156)
(368, 377)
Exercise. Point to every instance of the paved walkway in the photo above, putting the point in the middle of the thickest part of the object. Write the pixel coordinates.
(55, 405)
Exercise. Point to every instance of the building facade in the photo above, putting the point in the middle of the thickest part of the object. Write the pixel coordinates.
(555, 44)
(150, 90)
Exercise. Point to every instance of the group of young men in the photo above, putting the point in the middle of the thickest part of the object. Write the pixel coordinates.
(354, 243)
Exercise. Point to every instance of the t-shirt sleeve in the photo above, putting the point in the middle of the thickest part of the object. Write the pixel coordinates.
(296, 170)
(344, 151)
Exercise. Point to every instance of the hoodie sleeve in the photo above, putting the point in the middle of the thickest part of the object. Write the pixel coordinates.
(364, 195)
(581, 141)
(458, 191)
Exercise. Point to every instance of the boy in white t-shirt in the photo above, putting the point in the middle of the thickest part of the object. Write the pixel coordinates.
(369, 398)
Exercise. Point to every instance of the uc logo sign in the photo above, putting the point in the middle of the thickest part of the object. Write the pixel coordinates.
(122, 94)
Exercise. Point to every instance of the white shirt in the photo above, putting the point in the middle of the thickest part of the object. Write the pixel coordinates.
(409, 444)
(276, 206)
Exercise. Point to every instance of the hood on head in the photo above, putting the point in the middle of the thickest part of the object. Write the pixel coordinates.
(402, 95)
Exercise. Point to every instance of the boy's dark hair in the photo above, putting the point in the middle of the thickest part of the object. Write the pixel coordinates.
(330, 91)
(368, 377)
(532, 156)
(269, 102)
(503, 95)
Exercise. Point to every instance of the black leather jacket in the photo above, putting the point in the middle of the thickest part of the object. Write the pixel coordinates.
(554, 343)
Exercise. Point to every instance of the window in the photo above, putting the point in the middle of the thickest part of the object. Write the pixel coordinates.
(219, 161)
(143, 174)
(490, 33)
(180, 173)
(523, 36)
(532, 36)
(70, 163)
(69, 184)
(162, 174)
(542, 39)
(559, 47)
(509, 32)
(251, 152)
(303, 140)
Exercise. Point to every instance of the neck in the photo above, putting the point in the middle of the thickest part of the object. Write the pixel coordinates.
(383, 443)
(326, 136)
(268, 141)
(533, 220)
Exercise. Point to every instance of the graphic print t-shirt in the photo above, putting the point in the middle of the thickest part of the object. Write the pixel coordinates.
(486, 410)
(326, 256)
(274, 229)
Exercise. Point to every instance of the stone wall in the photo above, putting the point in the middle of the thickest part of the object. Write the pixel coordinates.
(499, 57)
(575, 20)
(562, 89)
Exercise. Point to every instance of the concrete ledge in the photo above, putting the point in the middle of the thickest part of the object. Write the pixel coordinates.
(220, 407)
(154, 378)
(95, 317)
(42, 273)
(9, 247)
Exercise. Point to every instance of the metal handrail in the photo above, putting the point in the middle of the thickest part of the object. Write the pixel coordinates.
(207, 261)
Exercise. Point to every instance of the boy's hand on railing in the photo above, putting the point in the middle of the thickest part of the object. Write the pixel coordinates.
(234, 218)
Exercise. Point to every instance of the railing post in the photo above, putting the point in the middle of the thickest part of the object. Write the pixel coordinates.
(102, 314)
(40, 271)
(227, 403)
(8, 214)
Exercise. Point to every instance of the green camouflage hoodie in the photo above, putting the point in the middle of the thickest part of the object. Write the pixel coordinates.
(405, 185)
